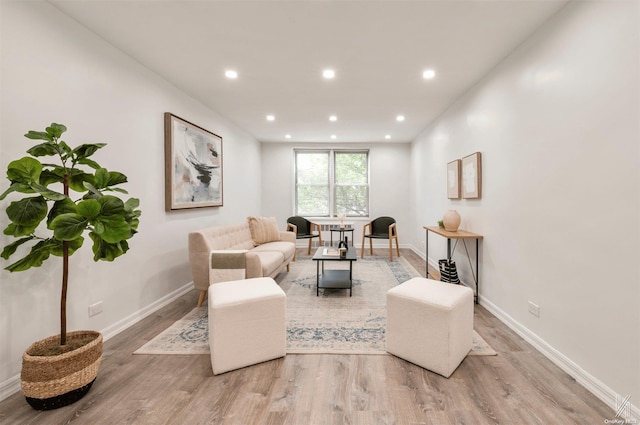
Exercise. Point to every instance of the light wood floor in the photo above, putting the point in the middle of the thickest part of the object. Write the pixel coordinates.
(518, 386)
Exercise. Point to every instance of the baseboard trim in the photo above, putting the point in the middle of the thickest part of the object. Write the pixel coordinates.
(127, 322)
(591, 383)
(9, 387)
(12, 385)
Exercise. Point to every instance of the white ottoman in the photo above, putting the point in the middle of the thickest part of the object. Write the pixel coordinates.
(430, 323)
(247, 323)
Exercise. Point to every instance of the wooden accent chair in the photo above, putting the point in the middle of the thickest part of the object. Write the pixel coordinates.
(381, 228)
(304, 229)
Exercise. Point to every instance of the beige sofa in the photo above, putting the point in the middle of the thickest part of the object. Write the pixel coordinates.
(263, 251)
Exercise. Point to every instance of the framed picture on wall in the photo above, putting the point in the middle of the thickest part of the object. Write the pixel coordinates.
(472, 176)
(453, 179)
(193, 165)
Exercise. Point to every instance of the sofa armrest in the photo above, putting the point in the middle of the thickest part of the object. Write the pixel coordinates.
(288, 237)
(227, 265)
(228, 259)
(199, 260)
(254, 266)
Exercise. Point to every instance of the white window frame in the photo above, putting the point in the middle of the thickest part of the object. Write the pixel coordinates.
(331, 152)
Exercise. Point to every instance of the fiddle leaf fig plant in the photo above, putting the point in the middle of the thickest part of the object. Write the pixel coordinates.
(53, 222)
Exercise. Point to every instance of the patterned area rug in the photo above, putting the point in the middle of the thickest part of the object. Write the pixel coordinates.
(332, 323)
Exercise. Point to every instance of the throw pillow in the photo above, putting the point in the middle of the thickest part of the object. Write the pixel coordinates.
(263, 229)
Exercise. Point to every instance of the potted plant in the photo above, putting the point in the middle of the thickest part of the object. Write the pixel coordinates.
(60, 370)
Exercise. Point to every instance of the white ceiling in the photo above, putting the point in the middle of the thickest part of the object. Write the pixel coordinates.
(378, 50)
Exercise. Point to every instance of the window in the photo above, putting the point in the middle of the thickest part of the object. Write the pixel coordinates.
(331, 182)
(312, 183)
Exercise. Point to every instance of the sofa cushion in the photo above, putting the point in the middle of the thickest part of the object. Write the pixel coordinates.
(269, 260)
(286, 248)
(263, 229)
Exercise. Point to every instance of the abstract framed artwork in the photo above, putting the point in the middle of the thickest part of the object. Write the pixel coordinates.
(472, 176)
(193, 165)
(453, 179)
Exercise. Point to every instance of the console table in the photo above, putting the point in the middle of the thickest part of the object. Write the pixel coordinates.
(458, 235)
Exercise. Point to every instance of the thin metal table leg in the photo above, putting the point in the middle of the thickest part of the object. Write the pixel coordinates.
(426, 248)
(477, 270)
(350, 277)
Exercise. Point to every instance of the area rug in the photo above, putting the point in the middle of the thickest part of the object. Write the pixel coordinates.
(332, 323)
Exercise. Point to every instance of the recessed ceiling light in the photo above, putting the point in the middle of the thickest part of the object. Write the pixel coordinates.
(328, 74)
(333, 136)
(231, 74)
(333, 118)
(287, 136)
(271, 118)
(388, 136)
(400, 118)
(428, 74)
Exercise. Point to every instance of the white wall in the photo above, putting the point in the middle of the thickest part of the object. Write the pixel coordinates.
(557, 123)
(55, 70)
(389, 194)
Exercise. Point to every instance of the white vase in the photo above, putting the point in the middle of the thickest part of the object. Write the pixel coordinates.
(451, 220)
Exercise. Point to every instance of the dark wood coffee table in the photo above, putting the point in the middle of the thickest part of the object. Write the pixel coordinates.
(334, 279)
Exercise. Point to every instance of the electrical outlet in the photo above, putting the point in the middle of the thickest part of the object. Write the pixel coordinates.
(95, 308)
(534, 309)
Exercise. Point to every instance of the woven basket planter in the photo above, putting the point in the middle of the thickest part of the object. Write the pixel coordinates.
(50, 382)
